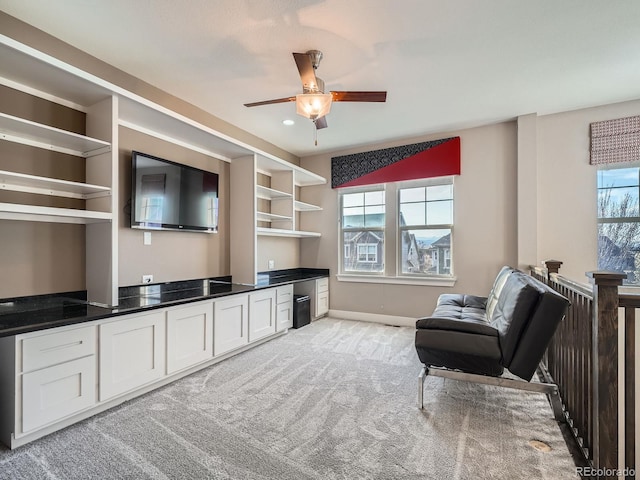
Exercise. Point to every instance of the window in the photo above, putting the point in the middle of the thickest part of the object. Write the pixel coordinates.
(420, 217)
(425, 222)
(363, 223)
(619, 221)
(368, 252)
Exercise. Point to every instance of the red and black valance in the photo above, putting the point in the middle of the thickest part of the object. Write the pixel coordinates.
(436, 158)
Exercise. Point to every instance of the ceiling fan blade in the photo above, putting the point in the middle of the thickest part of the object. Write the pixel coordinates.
(359, 96)
(307, 73)
(269, 102)
(321, 123)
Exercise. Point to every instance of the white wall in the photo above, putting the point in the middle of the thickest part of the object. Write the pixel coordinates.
(484, 231)
(567, 199)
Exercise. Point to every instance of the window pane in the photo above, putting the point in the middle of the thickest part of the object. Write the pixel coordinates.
(363, 252)
(440, 213)
(412, 213)
(619, 249)
(618, 202)
(412, 195)
(618, 177)
(440, 192)
(352, 217)
(374, 216)
(352, 199)
(426, 251)
(374, 198)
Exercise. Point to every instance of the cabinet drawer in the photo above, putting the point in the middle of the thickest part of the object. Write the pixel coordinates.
(322, 284)
(50, 394)
(322, 305)
(53, 348)
(284, 294)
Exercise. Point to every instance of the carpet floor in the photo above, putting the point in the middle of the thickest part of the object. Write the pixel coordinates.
(333, 400)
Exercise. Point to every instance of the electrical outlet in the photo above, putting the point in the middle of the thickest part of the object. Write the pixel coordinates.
(147, 278)
(272, 264)
(146, 238)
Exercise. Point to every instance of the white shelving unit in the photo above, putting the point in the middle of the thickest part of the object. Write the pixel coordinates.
(32, 213)
(280, 232)
(271, 194)
(109, 107)
(19, 130)
(271, 217)
(20, 182)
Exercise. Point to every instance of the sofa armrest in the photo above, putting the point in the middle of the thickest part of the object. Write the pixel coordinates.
(464, 325)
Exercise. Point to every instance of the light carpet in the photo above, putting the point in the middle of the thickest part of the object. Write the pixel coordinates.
(333, 400)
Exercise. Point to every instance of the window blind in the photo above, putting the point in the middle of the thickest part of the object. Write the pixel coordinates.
(615, 141)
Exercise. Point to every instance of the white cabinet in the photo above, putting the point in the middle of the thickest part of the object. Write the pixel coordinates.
(284, 307)
(189, 336)
(132, 353)
(56, 375)
(318, 291)
(262, 314)
(322, 297)
(230, 323)
(56, 392)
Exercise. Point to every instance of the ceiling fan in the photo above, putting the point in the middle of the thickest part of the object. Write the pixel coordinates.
(313, 103)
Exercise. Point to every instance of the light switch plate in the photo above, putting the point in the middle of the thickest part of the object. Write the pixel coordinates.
(146, 236)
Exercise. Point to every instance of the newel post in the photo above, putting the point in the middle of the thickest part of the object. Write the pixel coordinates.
(605, 367)
(553, 266)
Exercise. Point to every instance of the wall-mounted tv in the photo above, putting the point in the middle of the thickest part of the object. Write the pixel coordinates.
(169, 196)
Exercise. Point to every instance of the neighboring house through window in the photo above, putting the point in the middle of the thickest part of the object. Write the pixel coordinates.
(425, 223)
(363, 224)
(423, 231)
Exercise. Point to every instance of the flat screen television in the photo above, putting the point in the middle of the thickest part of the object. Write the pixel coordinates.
(169, 196)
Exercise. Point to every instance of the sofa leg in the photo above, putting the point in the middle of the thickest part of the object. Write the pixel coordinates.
(556, 405)
(423, 373)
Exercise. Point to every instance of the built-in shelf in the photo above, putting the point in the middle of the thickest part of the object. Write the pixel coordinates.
(32, 213)
(19, 130)
(270, 194)
(270, 217)
(278, 232)
(301, 177)
(20, 182)
(305, 207)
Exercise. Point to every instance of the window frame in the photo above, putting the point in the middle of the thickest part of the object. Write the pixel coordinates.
(633, 282)
(377, 230)
(400, 229)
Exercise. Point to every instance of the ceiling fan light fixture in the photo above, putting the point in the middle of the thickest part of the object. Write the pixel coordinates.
(313, 105)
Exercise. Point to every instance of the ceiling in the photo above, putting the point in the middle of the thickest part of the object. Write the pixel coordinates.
(445, 64)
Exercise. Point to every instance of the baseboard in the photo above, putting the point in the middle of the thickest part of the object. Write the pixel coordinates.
(374, 317)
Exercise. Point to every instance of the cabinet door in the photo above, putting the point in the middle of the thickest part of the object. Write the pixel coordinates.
(52, 393)
(189, 336)
(132, 353)
(230, 323)
(322, 297)
(284, 316)
(262, 314)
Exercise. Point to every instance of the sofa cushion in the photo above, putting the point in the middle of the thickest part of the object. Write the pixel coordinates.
(468, 325)
(464, 351)
(461, 306)
(516, 302)
(498, 285)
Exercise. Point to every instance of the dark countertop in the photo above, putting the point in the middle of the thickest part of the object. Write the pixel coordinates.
(40, 312)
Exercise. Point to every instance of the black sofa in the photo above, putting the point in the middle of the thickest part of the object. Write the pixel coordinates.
(482, 336)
